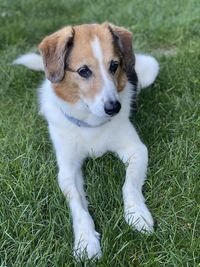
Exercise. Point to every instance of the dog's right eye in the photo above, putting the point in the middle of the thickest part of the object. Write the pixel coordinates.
(84, 72)
(113, 66)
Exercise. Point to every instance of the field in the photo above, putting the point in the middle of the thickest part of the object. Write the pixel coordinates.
(35, 222)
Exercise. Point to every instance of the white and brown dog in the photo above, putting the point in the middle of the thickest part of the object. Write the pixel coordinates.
(92, 77)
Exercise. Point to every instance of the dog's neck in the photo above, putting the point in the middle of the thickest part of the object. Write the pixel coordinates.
(82, 123)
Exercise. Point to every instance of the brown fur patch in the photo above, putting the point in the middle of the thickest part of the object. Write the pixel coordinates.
(67, 89)
(54, 49)
(123, 39)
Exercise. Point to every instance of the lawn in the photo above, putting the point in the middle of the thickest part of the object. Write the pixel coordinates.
(35, 223)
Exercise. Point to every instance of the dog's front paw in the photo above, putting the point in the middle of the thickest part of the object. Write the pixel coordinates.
(87, 245)
(140, 218)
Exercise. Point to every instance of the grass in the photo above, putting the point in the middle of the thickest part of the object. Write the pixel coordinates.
(35, 224)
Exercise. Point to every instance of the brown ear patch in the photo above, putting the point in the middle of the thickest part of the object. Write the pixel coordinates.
(122, 40)
(55, 50)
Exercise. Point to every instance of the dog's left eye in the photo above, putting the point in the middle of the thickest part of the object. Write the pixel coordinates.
(113, 66)
(84, 72)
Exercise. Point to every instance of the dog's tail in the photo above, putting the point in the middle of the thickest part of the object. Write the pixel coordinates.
(147, 69)
(31, 60)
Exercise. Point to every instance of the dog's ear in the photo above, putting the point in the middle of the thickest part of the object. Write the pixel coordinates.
(123, 39)
(55, 50)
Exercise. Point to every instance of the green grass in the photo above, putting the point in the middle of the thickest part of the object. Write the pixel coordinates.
(35, 223)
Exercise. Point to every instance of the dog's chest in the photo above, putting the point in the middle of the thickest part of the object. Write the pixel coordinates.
(94, 143)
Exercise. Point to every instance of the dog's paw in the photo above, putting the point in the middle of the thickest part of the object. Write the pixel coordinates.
(87, 246)
(140, 218)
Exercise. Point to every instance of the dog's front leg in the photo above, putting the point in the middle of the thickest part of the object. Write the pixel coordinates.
(86, 239)
(134, 154)
(86, 242)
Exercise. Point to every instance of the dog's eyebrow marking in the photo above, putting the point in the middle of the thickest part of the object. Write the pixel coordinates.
(97, 51)
(98, 54)
(108, 86)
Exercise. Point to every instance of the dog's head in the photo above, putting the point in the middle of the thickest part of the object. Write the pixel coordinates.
(91, 63)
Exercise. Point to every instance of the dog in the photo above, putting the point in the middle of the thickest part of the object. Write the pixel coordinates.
(92, 77)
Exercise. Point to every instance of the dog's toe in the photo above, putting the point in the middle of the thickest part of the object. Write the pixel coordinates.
(87, 246)
(140, 218)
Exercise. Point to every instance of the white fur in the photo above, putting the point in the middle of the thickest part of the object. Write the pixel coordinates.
(73, 144)
(31, 61)
(147, 69)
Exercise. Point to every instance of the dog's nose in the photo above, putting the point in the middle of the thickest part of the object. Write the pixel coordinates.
(112, 107)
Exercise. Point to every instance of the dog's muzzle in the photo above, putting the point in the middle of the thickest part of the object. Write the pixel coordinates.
(112, 107)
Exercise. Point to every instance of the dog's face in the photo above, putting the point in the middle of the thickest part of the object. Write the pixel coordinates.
(89, 63)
